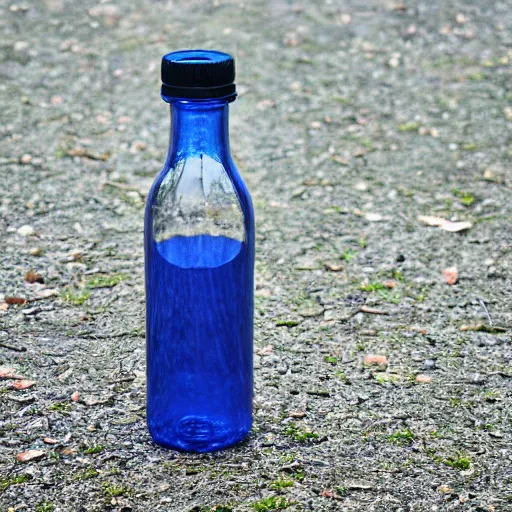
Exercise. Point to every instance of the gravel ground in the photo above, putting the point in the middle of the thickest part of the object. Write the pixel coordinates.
(354, 119)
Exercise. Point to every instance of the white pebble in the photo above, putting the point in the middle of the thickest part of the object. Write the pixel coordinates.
(26, 230)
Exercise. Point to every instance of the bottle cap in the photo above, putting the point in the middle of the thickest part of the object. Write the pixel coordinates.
(198, 74)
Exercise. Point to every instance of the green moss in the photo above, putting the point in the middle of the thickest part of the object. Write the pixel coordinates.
(297, 434)
(100, 281)
(469, 146)
(271, 504)
(412, 126)
(74, 296)
(46, 506)
(341, 491)
(348, 255)
(331, 359)
(281, 484)
(372, 287)
(465, 198)
(86, 475)
(5, 483)
(401, 437)
(286, 323)
(112, 490)
(459, 462)
(94, 449)
(61, 407)
(299, 475)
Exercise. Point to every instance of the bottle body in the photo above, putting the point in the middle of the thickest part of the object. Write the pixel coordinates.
(199, 259)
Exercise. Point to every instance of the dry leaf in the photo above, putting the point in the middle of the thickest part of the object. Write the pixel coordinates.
(456, 227)
(23, 384)
(8, 373)
(50, 440)
(266, 351)
(429, 220)
(333, 267)
(30, 455)
(451, 275)
(327, 493)
(15, 300)
(444, 489)
(375, 359)
(33, 277)
(447, 225)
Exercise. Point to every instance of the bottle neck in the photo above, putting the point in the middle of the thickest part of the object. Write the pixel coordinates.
(199, 127)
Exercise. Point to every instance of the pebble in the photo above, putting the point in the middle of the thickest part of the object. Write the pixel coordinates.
(375, 359)
(26, 230)
(20, 46)
(26, 159)
(429, 364)
(30, 455)
(423, 379)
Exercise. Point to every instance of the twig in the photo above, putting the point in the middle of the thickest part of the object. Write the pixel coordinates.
(372, 311)
(122, 186)
(12, 347)
(482, 303)
(501, 374)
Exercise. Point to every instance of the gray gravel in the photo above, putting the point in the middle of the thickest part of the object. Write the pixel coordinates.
(354, 118)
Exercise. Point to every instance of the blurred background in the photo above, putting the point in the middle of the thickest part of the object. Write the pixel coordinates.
(376, 140)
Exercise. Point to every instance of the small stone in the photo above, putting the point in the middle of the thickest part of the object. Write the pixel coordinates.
(375, 360)
(394, 62)
(75, 397)
(21, 46)
(361, 186)
(30, 455)
(50, 440)
(23, 384)
(444, 489)
(374, 217)
(35, 251)
(33, 277)
(26, 159)
(297, 414)
(461, 18)
(56, 100)
(423, 379)
(346, 19)
(26, 230)
(333, 267)
(429, 364)
(507, 111)
(451, 275)
(265, 351)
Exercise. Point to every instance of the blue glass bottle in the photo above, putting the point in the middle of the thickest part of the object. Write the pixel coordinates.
(199, 262)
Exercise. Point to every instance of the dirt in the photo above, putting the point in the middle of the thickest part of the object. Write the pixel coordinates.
(353, 119)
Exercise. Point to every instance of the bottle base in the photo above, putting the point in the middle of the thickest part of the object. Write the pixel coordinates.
(197, 435)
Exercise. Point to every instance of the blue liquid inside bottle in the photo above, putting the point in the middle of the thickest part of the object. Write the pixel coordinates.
(199, 258)
(199, 373)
